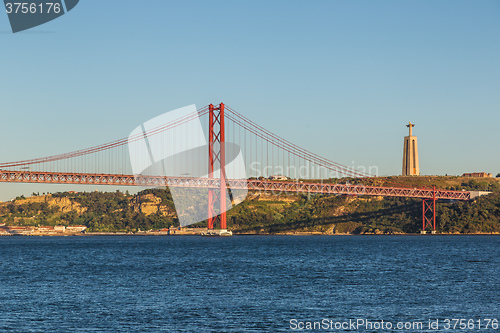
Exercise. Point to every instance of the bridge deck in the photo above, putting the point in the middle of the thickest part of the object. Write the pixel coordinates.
(252, 185)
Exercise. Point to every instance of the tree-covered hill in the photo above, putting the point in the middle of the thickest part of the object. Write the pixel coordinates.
(263, 213)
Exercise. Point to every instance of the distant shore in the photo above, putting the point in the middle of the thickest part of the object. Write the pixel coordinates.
(87, 234)
(152, 212)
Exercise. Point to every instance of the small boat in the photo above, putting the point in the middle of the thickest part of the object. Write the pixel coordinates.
(218, 233)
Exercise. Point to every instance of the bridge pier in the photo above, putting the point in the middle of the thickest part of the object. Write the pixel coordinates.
(429, 213)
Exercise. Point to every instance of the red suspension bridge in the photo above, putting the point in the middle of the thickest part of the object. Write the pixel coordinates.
(264, 153)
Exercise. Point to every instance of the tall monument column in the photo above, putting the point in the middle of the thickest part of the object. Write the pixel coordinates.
(410, 154)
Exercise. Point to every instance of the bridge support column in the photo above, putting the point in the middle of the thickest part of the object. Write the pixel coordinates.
(217, 156)
(429, 213)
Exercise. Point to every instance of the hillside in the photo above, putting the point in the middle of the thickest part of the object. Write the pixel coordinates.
(263, 213)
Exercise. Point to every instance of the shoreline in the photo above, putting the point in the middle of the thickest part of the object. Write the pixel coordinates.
(149, 234)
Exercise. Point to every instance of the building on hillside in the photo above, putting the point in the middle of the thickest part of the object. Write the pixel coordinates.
(75, 228)
(478, 175)
(45, 229)
(59, 228)
(278, 177)
(20, 230)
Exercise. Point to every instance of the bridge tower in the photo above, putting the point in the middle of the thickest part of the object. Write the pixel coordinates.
(217, 157)
(410, 154)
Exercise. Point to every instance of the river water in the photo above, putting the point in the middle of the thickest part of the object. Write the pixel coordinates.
(248, 283)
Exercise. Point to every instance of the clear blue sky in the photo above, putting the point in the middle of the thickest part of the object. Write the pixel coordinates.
(340, 78)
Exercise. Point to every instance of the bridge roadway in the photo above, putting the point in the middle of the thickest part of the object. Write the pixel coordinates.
(251, 185)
